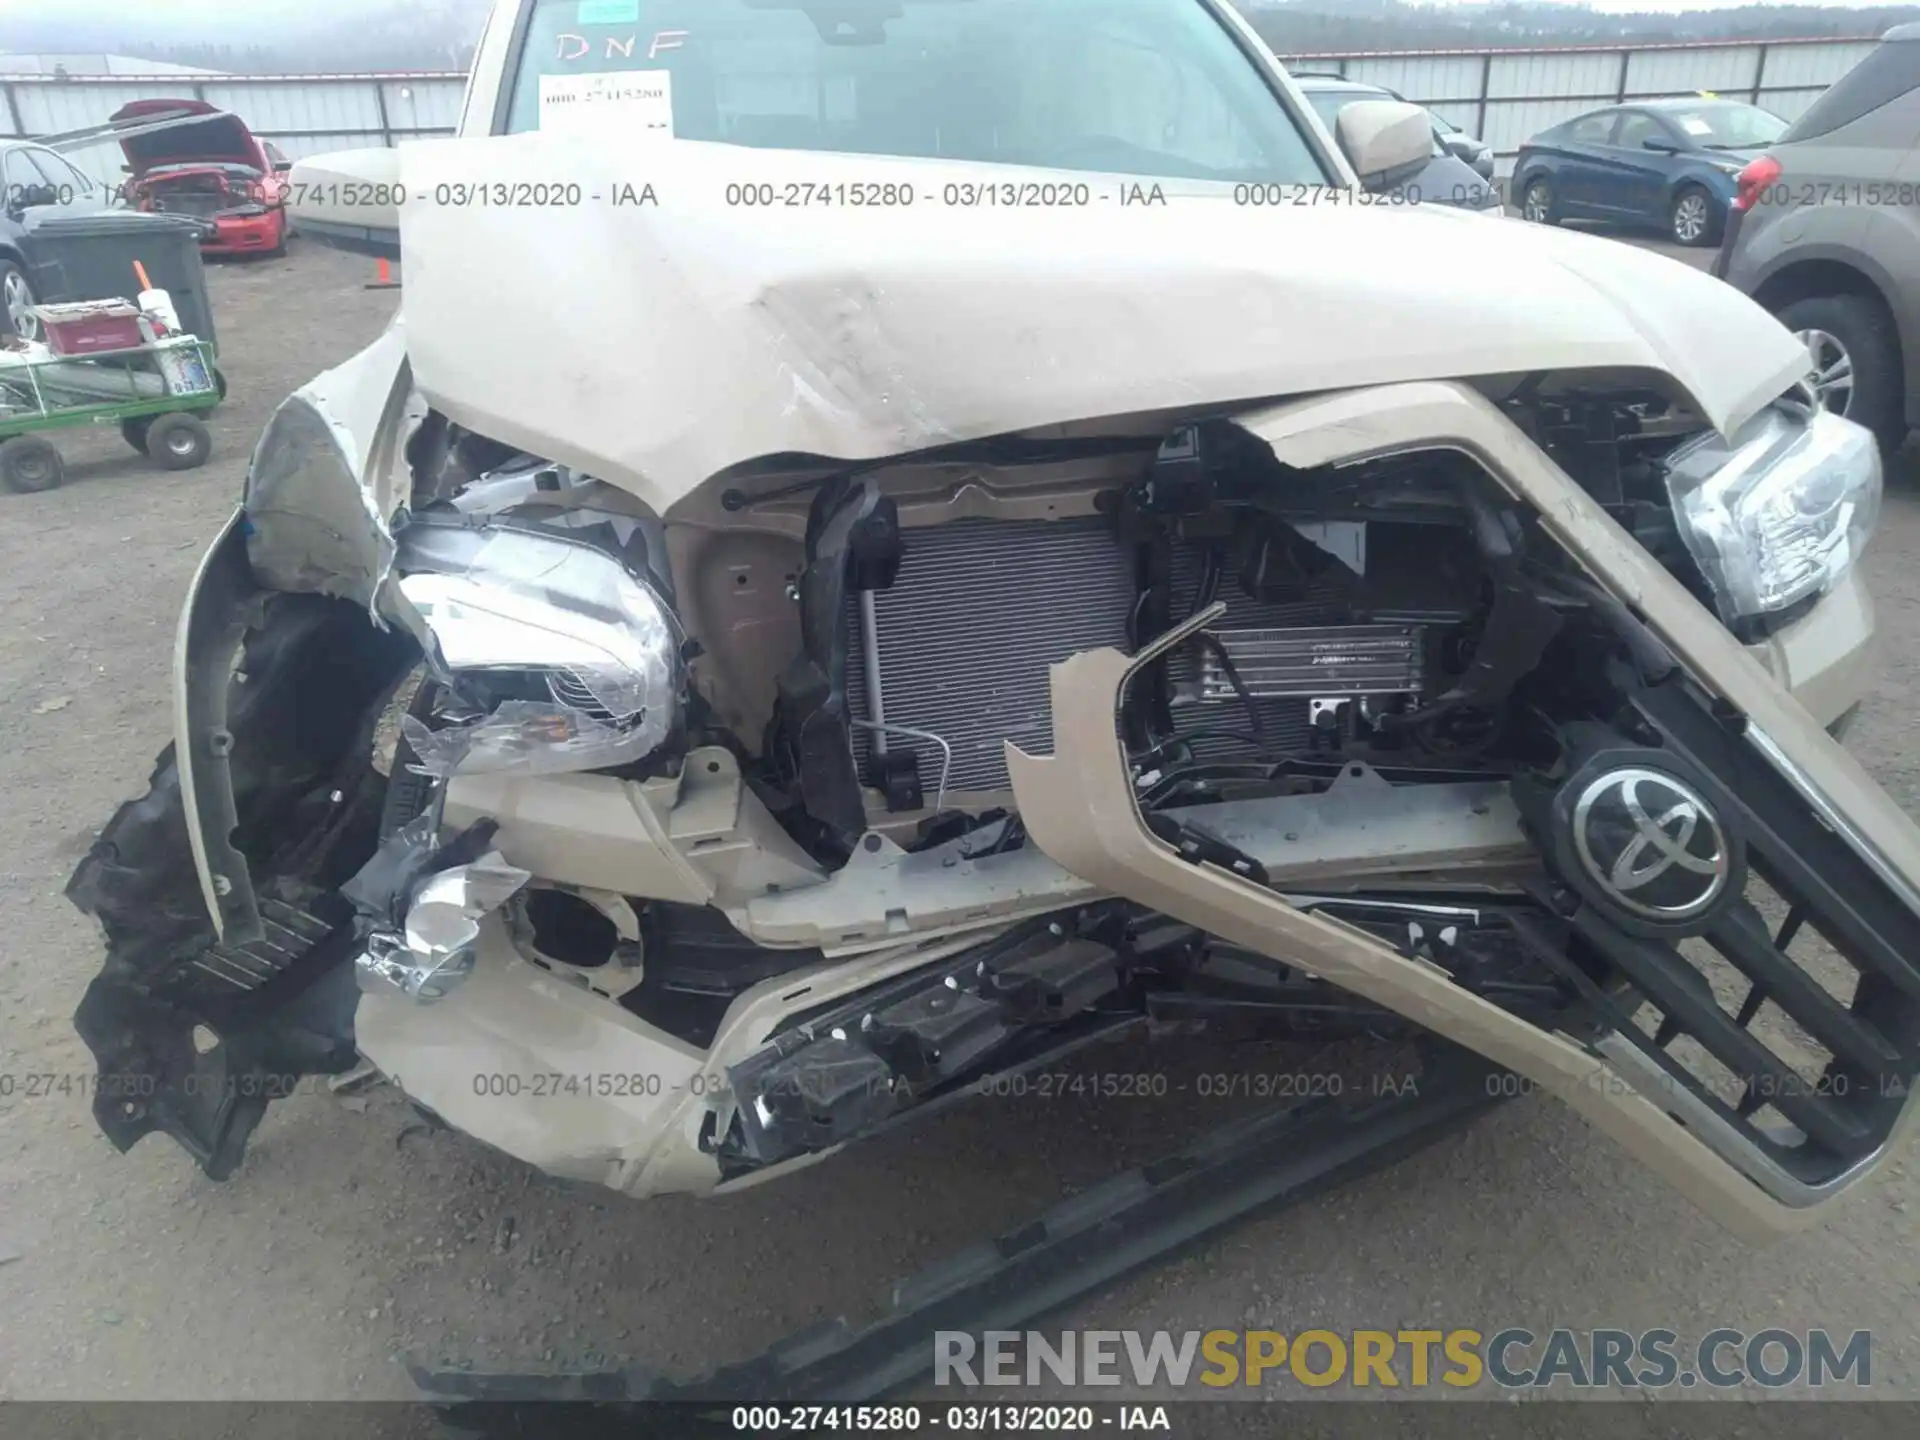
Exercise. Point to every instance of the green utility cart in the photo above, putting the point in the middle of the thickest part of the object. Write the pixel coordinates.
(155, 392)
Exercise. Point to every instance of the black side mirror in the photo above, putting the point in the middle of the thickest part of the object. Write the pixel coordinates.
(25, 197)
(281, 167)
(1659, 146)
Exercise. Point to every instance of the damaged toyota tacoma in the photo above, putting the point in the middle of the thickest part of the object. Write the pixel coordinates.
(964, 534)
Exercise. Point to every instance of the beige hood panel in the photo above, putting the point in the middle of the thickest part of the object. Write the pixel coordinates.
(655, 337)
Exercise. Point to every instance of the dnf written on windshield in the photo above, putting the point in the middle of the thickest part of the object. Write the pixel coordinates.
(571, 49)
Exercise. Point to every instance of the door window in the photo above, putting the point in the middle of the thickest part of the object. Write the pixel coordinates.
(20, 176)
(1639, 127)
(70, 184)
(1592, 129)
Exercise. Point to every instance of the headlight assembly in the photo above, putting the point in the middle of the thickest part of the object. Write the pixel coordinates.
(560, 657)
(1777, 517)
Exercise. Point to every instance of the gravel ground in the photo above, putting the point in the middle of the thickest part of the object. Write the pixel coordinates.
(353, 1236)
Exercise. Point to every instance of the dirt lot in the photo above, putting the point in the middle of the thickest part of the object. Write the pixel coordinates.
(352, 1236)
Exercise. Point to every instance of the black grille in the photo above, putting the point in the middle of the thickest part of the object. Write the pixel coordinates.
(1794, 1015)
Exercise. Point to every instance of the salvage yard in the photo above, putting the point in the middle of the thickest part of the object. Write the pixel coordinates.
(354, 1235)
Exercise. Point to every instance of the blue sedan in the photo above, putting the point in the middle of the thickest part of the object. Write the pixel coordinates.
(1668, 163)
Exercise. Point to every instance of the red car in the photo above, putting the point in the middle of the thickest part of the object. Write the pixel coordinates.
(216, 170)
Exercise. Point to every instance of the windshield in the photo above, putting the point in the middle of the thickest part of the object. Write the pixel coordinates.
(1729, 127)
(1143, 87)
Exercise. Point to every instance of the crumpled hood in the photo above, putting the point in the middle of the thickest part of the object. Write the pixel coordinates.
(660, 330)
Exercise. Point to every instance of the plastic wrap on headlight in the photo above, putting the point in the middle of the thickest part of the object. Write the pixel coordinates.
(1779, 515)
(562, 658)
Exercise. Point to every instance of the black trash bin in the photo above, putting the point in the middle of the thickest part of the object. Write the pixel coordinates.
(90, 257)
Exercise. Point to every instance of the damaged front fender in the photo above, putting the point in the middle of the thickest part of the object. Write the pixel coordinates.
(326, 475)
(329, 474)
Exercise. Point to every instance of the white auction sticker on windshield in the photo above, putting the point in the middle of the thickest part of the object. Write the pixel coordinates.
(1694, 125)
(613, 100)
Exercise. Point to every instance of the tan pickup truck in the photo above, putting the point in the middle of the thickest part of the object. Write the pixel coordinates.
(890, 540)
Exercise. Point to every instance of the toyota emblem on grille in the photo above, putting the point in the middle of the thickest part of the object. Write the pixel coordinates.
(1652, 844)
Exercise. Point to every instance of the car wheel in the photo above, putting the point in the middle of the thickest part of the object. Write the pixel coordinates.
(1536, 203)
(1855, 361)
(134, 432)
(1694, 219)
(16, 303)
(29, 463)
(178, 441)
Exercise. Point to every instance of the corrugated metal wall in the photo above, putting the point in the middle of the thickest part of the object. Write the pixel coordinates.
(302, 114)
(1502, 95)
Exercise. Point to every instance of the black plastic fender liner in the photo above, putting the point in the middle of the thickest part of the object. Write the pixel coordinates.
(1062, 1256)
(154, 1076)
(194, 1031)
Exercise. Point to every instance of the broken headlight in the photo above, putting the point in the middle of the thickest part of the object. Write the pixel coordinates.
(557, 656)
(1778, 516)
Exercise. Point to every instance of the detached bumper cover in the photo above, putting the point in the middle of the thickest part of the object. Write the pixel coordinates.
(1837, 849)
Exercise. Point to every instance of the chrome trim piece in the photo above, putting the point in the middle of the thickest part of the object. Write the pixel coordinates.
(1831, 816)
(1392, 907)
(1723, 1139)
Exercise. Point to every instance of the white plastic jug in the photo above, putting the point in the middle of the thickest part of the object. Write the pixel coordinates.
(158, 305)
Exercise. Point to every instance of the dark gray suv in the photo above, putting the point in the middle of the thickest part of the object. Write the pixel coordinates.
(1825, 232)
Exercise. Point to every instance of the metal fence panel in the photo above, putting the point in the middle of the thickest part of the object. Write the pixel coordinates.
(295, 109)
(1731, 71)
(1543, 75)
(51, 108)
(1445, 77)
(423, 107)
(1814, 65)
(1519, 93)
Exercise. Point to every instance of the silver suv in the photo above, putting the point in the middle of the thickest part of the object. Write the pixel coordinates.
(1825, 232)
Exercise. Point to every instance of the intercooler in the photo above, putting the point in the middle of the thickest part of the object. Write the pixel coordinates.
(201, 204)
(982, 608)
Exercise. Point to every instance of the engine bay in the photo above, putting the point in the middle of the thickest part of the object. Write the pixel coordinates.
(1385, 615)
(865, 643)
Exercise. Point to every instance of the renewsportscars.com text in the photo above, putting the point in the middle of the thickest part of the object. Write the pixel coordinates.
(1512, 1358)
